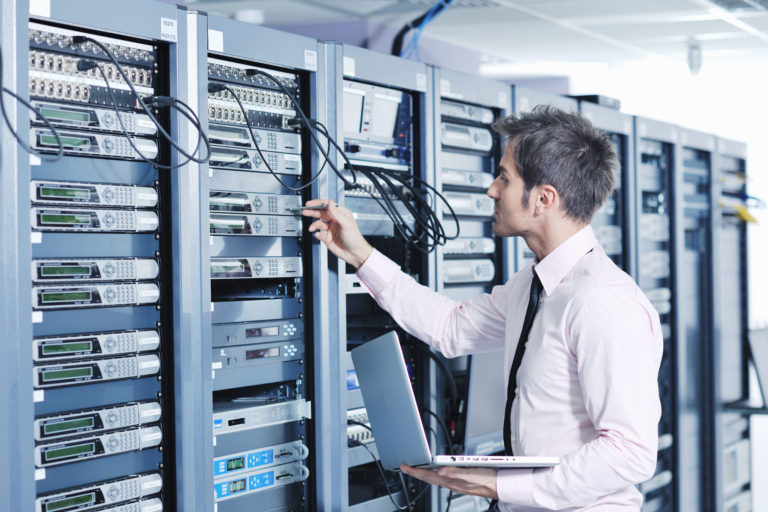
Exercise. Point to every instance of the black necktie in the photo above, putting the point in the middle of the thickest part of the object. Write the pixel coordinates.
(530, 313)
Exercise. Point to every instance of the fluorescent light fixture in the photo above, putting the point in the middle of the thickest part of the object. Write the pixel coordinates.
(540, 68)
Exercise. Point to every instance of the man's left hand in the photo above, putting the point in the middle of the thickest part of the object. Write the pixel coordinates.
(474, 481)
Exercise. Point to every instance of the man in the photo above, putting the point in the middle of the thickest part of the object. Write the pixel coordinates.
(584, 387)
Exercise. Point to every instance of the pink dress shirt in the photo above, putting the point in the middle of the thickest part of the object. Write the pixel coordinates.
(588, 389)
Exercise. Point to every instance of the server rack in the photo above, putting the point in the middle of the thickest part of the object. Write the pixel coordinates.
(260, 270)
(359, 79)
(655, 274)
(523, 100)
(467, 152)
(100, 265)
(731, 428)
(613, 224)
(17, 467)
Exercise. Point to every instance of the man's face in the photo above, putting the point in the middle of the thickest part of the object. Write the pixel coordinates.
(510, 217)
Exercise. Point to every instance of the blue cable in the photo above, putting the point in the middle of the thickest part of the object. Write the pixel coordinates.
(432, 14)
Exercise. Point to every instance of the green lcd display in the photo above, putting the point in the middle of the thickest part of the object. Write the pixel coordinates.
(65, 115)
(68, 373)
(64, 218)
(74, 501)
(233, 464)
(64, 193)
(68, 451)
(67, 425)
(67, 347)
(50, 297)
(64, 270)
(70, 142)
(237, 486)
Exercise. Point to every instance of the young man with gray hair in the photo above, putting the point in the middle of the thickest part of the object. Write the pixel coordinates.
(582, 343)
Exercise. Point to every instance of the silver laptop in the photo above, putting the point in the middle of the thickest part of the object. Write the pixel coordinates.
(394, 417)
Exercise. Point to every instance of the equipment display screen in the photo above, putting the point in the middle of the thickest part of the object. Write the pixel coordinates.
(353, 110)
(72, 142)
(226, 268)
(66, 347)
(237, 486)
(233, 464)
(64, 218)
(384, 115)
(69, 373)
(62, 270)
(63, 426)
(69, 451)
(262, 331)
(52, 297)
(64, 193)
(74, 501)
(228, 223)
(65, 115)
(262, 353)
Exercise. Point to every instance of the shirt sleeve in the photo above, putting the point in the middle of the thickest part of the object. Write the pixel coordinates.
(617, 344)
(455, 328)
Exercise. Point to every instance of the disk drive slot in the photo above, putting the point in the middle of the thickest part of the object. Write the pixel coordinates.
(97, 446)
(97, 344)
(460, 178)
(250, 160)
(254, 225)
(268, 140)
(83, 296)
(91, 144)
(111, 492)
(237, 463)
(97, 420)
(254, 268)
(470, 246)
(93, 118)
(468, 271)
(257, 332)
(249, 289)
(466, 112)
(122, 269)
(92, 194)
(466, 137)
(244, 202)
(469, 204)
(106, 221)
(262, 480)
(90, 371)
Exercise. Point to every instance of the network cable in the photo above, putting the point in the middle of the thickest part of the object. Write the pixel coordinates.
(165, 102)
(22, 101)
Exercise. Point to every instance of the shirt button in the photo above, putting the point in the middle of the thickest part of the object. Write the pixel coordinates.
(517, 389)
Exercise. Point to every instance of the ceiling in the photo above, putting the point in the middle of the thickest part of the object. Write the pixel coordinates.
(509, 33)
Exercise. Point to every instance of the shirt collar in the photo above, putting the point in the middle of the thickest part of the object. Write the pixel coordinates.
(556, 265)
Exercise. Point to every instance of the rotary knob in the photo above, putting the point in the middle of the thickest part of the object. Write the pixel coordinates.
(110, 294)
(110, 344)
(109, 145)
(113, 492)
(108, 195)
(108, 119)
(109, 220)
(112, 418)
(109, 270)
(113, 443)
(110, 369)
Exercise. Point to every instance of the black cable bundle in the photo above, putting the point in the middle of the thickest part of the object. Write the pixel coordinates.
(158, 101)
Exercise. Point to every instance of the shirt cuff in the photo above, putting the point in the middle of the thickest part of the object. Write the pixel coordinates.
(377, 272)
(515, 486)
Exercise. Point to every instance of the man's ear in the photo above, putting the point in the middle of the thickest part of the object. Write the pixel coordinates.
(546, 197)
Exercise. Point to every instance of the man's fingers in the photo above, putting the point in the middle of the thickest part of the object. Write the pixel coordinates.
(318, 225)
(427, 475)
